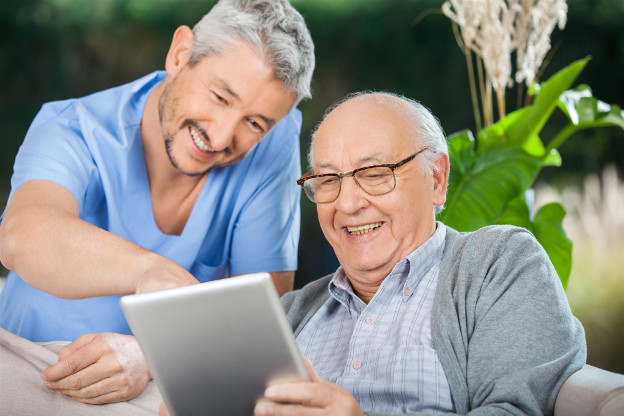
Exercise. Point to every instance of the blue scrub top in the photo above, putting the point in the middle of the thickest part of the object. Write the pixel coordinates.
(246, 218)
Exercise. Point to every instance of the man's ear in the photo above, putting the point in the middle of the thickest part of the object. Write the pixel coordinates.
(440, 178)
(180, 50)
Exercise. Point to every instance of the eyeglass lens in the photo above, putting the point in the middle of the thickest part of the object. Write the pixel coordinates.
(374, 181)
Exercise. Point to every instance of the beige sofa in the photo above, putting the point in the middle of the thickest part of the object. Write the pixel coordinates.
(591, 391)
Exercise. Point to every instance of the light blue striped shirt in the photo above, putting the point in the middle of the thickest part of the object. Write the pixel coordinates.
(383, 353)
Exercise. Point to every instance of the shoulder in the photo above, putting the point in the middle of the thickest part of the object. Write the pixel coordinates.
(55, 110)
(300, 304)
(105, 111)
(494, 256)
(489, 234)
(119, 107)
(491, 240)
(312, 290)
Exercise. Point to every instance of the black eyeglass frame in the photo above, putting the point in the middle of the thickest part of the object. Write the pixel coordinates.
(393, 166)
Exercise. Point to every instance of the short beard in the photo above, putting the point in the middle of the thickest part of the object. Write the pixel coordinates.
(168, 136)
(168, 145)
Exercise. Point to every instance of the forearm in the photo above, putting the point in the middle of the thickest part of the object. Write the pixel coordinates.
(283, 281)
(55, 251)
(62, 255)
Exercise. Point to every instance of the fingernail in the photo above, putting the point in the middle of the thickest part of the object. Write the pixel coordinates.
(43, 377)
(269, 392)
(260, 410)
(47, 384)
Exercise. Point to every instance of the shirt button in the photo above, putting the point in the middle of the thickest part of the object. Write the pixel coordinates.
(407, 292)
(357, 365)
(370, 320)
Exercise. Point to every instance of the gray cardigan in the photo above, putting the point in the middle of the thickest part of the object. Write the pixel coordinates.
(501, 323)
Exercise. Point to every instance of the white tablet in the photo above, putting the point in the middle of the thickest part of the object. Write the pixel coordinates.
(213, 347)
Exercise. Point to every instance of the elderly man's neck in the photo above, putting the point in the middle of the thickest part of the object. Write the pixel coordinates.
(366, 282)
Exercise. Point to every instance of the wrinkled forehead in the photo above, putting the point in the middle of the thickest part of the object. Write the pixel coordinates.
(364, 128)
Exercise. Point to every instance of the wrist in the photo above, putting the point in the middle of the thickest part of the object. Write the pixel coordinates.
(147, 265)
(157, 272)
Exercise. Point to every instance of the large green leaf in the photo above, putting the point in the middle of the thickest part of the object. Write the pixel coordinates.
(497, 133)
(481, 185)
(585, 111)
(489, 178)
(461, 148)
(548, 93)
(535, 147)
(516, 213)
(547, 228)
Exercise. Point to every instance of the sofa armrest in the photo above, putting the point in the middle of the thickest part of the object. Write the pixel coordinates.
(591, 391)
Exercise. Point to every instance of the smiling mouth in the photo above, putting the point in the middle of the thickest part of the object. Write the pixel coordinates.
(363, 229)
(199, 142)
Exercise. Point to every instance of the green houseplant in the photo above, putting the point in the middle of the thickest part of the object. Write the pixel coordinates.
(493, 171)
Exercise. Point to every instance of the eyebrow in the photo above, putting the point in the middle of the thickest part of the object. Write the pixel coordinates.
(221, 83)
(270, 122)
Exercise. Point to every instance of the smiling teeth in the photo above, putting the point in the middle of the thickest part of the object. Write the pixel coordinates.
(363, 229)
(199, 142)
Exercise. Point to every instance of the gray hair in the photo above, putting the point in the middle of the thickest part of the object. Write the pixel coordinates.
(272, 27)
(427, 131)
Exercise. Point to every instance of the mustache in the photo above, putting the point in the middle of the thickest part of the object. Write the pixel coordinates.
(192, 123)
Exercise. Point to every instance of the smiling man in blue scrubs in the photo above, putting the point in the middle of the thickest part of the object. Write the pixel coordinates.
(184, 175)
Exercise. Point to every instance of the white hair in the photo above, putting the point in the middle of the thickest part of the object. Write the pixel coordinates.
(272, 27)
(427, 131)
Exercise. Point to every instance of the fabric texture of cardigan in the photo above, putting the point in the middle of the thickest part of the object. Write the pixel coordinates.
(501, 323)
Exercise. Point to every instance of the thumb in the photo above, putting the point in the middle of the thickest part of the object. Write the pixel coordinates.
(311, 371)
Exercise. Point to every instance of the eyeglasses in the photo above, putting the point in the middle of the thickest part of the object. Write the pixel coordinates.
(375, 180)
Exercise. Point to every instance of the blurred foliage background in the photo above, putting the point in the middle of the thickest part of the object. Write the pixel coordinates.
(58, 49)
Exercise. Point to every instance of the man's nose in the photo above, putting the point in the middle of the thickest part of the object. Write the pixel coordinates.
(351, 198)
(222, 133)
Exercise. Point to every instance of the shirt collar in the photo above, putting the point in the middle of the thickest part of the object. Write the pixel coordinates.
(421, 260)
(404, 277)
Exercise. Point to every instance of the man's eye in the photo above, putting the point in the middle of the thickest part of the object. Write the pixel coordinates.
(219, 98)
(256, 126)
(328, 181)
(374, 175)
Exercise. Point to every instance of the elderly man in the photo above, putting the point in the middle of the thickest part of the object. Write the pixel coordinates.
(162, 182)
(418, 319)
